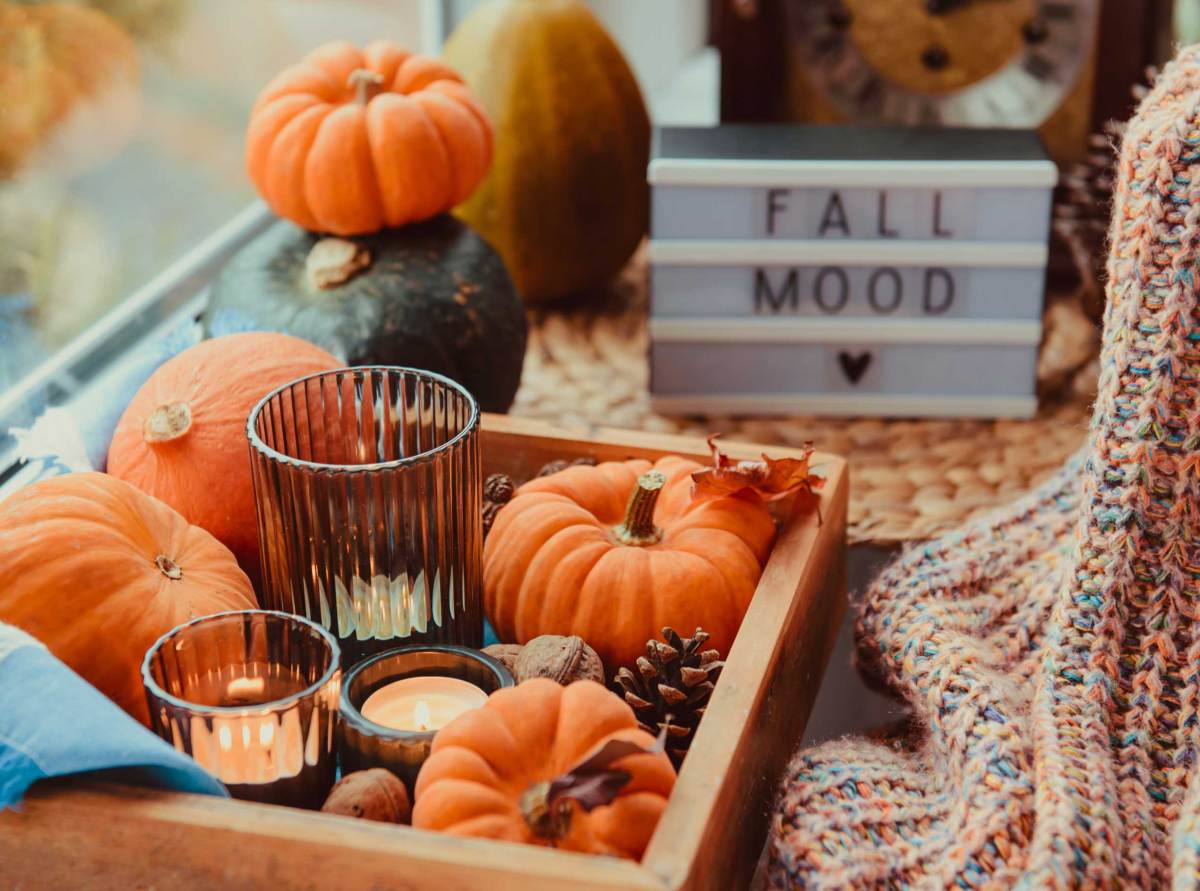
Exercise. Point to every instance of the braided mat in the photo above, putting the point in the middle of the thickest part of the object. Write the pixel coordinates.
(910, 479)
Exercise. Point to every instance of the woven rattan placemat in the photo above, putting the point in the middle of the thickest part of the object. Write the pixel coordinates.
(910, 479)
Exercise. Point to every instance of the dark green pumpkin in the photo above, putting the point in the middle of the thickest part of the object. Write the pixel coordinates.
(433, 295)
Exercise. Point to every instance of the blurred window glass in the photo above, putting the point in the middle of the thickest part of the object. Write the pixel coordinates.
(121, 135)
(122, 129)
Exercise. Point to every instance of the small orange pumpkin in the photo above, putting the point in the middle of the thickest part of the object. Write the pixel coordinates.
(489, 771)
(98, 571)
(183, 437)
(350, 141)
(615, 552)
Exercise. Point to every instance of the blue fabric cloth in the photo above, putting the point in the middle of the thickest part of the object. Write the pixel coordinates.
(53, 723)
(489, 634)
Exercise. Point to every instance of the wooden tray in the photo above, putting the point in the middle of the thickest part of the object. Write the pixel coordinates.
(73, 834)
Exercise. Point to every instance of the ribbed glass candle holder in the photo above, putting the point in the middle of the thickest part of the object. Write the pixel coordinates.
(365, 744)
(253, 697)
(368, 492)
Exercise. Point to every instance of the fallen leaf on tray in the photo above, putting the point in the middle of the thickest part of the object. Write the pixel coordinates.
(770, 479)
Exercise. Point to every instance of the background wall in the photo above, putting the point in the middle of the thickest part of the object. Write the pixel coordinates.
(1187, 21)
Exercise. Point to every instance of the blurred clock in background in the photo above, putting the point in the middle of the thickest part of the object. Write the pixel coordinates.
(974, 63)
(958, 62)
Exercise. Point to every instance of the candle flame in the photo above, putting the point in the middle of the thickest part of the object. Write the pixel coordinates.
(421, 715)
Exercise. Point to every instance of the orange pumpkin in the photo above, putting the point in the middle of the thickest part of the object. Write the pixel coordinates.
(98, 571)
(350, 141)
(488, 771)
(183, 437)
(613, 553)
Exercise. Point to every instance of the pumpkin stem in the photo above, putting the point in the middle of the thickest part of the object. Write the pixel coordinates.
(333, 262)
(592, 783)
(169, 421)
(169, 567)
(548, 820)
(638, 528)
(366, 83)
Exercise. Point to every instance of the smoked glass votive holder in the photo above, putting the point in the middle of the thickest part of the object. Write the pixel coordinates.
(368, 493)
(365, 744)
(253, 697)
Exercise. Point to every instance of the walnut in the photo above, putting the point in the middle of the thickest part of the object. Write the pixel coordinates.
(562, 659)
(505, 654)
(374, 794)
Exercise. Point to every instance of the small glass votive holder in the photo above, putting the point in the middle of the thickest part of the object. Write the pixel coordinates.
(368, 491)
(365, 744)
(252, 695)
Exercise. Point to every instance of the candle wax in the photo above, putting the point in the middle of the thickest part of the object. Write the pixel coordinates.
(422, 703)
(245, 690)
(251, 685)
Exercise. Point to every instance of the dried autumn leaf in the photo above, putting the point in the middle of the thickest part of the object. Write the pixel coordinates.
(594, 782)
(770, 479)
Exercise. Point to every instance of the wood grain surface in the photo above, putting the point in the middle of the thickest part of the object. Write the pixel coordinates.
(79, 835)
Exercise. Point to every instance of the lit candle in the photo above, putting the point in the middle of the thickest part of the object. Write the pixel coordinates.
(252, 696)
(394, 703)
(422, 704)
(258, 745)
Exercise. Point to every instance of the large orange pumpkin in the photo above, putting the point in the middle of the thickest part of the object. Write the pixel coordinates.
(70, 86)
(487, 774)
(580, 553)
(350, 141)
(183, 437)
(98, 571)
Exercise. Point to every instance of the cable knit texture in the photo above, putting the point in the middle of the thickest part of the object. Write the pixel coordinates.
(1050, 654)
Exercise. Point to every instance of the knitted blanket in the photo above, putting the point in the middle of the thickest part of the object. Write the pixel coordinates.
(1050, 654)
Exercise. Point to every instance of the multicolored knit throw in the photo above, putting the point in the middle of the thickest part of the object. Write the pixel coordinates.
(1051, 654)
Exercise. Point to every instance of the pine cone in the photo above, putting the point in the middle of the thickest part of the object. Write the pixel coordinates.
(1082, 204)
(499, 487)
(498, 490)
(671, 687)
(1082, 210)
(490, 509)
